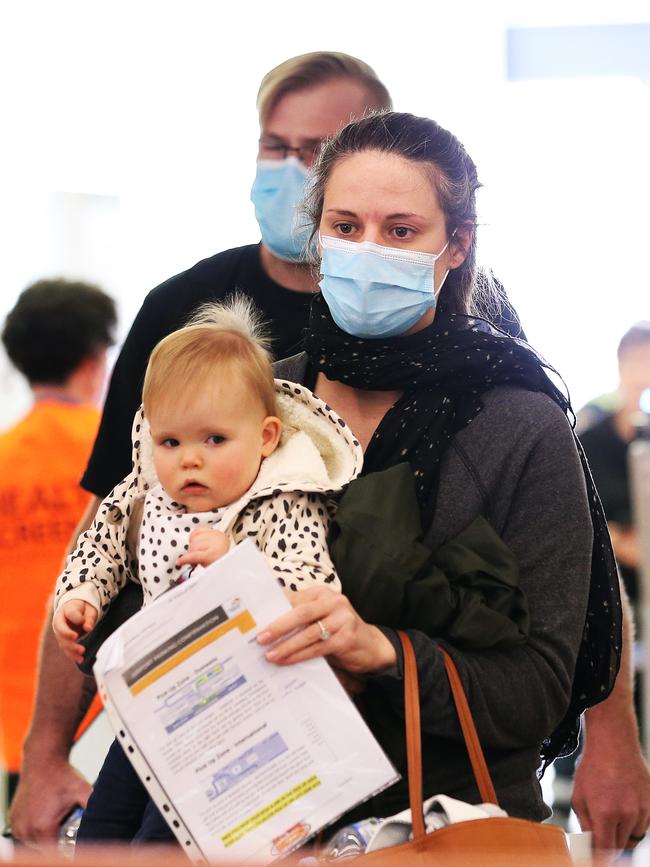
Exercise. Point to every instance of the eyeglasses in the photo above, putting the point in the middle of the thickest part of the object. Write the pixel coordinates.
(272, 149)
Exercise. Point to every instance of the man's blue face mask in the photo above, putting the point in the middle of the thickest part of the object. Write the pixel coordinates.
(376, 291)
(278, 188)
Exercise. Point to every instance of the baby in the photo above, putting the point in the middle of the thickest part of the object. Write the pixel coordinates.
(222, 453)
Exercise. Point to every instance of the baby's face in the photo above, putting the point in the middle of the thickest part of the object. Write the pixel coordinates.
(207, 449)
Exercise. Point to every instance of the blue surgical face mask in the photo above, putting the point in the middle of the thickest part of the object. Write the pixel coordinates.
(278, 188)
(375, 291)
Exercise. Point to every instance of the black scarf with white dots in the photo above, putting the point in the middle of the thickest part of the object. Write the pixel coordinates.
(442, 371)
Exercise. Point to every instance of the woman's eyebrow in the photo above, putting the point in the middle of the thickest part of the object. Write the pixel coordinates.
(403, 215)
(399, 215)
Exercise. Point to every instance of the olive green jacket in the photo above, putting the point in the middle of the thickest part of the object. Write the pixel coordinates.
(465, 591)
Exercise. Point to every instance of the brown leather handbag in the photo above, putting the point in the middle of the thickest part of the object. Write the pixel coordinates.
(494, 842)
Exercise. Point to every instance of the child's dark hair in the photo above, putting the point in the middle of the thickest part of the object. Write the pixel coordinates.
(55, 325)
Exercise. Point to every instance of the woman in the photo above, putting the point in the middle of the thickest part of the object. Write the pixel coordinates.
(392, 349)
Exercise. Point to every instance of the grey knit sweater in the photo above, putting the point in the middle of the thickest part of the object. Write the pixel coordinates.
(515, 464)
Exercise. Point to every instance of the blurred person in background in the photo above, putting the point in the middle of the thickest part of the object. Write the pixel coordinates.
(300, 103)
(57, 336)
(607, 426)
(606, 444)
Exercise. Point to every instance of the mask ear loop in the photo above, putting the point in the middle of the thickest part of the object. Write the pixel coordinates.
(436, 295)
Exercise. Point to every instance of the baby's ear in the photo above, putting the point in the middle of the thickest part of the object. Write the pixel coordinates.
(271, 432)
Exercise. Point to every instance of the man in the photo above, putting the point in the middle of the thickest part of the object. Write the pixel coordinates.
(56, 335)
(611, 754)
(300, 102)
(606, 444)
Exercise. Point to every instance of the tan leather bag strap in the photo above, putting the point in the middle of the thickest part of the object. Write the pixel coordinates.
(414, 733)
(476, 757)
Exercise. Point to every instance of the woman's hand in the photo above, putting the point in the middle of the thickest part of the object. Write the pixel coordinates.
(329, 626)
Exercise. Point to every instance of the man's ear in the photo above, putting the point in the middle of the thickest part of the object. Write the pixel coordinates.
(271, 431)
(459, 245)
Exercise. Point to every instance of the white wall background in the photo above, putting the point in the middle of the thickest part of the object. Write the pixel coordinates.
(129, 139)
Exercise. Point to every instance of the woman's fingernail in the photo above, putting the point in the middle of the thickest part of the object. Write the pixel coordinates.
(271, 655)
(264, 637)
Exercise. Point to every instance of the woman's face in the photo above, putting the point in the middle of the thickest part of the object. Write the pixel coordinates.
(388, 200)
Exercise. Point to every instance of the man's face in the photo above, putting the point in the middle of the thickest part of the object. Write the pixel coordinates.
(303, 118)
(634, 371)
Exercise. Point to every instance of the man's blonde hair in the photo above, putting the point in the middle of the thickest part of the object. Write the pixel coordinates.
(221, 337)
(317, 67)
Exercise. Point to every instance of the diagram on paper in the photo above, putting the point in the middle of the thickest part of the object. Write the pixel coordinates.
(196, 695)
(252, 760)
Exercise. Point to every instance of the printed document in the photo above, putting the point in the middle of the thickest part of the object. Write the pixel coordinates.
(245, 759)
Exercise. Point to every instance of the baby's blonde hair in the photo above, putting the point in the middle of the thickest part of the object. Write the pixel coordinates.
(227, 336)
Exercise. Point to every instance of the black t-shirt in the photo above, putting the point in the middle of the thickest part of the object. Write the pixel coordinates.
(607, 454)
(168, 307)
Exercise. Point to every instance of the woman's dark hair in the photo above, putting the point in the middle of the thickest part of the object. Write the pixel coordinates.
(452, 171)
(54, 326)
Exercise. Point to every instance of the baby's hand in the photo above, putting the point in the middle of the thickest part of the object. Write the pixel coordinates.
(206, 546)
(73, 618)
